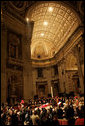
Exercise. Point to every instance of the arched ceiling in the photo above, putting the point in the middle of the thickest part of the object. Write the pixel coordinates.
(54, 23)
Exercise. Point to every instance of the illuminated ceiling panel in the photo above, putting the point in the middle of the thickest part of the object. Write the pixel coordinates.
(53, 25)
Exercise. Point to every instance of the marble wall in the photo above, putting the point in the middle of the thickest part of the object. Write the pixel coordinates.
(48, 77)
(16, 69)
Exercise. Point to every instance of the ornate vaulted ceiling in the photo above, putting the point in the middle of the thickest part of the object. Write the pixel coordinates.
(54, 23)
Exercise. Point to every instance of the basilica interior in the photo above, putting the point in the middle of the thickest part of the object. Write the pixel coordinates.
(42, 49)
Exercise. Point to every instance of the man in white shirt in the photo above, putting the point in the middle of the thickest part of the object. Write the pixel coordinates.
(34, 117)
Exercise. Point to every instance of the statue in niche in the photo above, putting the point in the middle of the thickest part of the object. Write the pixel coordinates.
(13, 51)
(13, 39)
(14, 46)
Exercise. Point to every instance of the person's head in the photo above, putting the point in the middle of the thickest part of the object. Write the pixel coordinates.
(1, 108)
(35, 112)
(10, 112)
(15, 111)
(55, 117)
(43, 101)
(28, 108)
(2, 104)
(9, 118)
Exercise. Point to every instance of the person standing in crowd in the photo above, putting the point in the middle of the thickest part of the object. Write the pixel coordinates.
(65, 111)
(80, 119)
(60, 113)
(34, 116)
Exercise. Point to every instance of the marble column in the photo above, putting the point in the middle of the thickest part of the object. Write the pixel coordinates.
(77, 55)
(61, 79)
(82, 56)
(27, 66)
(3, 61)
(34, 74)
(50, 74)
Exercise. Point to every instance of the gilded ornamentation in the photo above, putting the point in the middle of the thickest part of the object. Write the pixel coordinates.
(51, 29)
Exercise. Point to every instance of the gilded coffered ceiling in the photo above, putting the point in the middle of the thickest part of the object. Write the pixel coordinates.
(54, 23)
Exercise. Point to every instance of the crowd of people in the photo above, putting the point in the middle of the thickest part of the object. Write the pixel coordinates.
(45, 111)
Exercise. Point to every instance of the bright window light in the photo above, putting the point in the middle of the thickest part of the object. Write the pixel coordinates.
(42, 34)
(45, 23)
(50, 9)
(27, 19)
